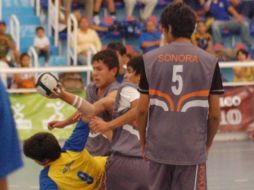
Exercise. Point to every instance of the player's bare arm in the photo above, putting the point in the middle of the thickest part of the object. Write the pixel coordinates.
(213, 119)
(99, 125)
(141, 118)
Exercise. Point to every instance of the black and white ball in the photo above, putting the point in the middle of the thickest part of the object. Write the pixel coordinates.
(45, 84)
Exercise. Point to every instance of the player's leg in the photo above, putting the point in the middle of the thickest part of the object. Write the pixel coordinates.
(189, 177)
(127, 173)
(159, 176)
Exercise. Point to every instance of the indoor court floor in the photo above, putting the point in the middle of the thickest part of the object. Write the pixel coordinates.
(230, 167)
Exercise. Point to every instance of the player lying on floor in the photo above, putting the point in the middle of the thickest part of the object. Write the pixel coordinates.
(67, 168)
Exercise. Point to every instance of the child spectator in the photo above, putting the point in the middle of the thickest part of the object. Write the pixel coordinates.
(41, 44)
(242, 73)
(151, 38)
(202, 38)
(24, 80)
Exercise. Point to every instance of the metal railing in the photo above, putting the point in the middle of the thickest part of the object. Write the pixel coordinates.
(72, 48)
(53, 20)
(15, 30)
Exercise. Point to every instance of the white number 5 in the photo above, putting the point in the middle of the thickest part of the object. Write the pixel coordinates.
(177, 78)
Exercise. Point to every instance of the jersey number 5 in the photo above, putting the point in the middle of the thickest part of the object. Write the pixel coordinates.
(177, 79)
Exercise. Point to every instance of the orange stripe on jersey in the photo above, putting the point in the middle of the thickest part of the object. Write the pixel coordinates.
(163, 95)
(190, 95)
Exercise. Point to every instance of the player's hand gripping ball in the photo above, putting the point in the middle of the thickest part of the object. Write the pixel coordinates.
(45, 84)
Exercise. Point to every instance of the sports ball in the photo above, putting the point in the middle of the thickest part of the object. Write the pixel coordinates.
(45, 84)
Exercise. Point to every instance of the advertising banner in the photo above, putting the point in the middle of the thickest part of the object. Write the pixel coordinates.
(32, 113)
(237, 109)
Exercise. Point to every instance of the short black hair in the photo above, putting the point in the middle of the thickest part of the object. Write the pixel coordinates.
(117, 46)
(136, 64)
(2, 23)
(24, 55)
(108, 57)
(243, 51)
(39, 28)
(42, 146)
(181, 18)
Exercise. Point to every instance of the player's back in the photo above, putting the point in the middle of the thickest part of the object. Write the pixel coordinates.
(76, 170)
(179, 77)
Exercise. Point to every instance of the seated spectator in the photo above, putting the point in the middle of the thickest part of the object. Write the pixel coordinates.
(41, 44)
(97, 7)
(24, 80)
(202, 38)
(220, 11)
(88, 6)
(145, 13)
(242, 73)
(87, 38)
(6, 45)
(151, 38)
(245, 8)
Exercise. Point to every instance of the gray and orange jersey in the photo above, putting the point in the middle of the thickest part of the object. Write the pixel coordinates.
(97, 144)
(180, 77)
(126, 138)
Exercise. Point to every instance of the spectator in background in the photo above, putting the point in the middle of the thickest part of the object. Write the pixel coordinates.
(24, 80)
(123, 58)
(244, 7)
(242, 73)
(42, 44)
(151, 38)
(88, 6)
(145, 13)
(87, 38)
(6, 45)
(97, 7)
(10, 157)
(202, 38)
(220, 11)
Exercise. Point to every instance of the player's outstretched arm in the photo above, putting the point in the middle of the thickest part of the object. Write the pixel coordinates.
(98, 125)
(213, 119)
(83, 106)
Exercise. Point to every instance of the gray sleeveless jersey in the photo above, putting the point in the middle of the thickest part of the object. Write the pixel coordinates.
(97, 144)
(126, 138)
(179, 77)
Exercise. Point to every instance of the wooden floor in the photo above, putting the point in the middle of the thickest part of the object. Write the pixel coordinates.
(230, 167)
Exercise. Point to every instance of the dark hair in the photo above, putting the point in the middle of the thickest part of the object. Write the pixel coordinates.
(39, 28)
(42, 146)
(108, 57)
(24, 55)
(243, 51)
(117, 46)
(181, 18)
(136, 64)
(2, 23)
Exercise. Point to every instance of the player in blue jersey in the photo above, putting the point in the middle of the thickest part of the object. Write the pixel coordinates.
(10, 157)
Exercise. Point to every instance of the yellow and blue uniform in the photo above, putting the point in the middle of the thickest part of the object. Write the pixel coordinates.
(76, 168)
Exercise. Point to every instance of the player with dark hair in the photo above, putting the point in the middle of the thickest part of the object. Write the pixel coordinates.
(123, 58)
(180, 93)
(71, 167)
(126, 159)
(102, 91)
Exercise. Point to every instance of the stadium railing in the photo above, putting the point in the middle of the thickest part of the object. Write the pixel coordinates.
(72, 51)
(15, 30)
(88, 69)
(53, 20)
